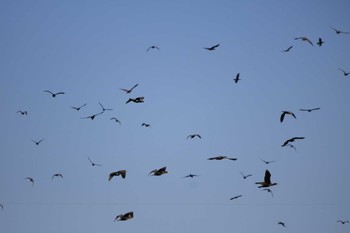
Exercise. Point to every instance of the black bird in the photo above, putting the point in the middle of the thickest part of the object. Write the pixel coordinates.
(2, 207)
(268, 162)
(22, 112)
(136, 100)
(338, 31)
(288, 49)
(291, 146)
(54, 94)
(158, 172)
(93, 164)
(127, 91)
(235, 197)
(193, 136)
(213, 47)
(267, 181)
(344, 72)
(121, 173)
(124, 217)
(78, 108)
(284, 113)
(38, 142)
(57, 175)
(282, 224)
(92, 116)
(320, 42)
(103, 108)
(268, 190)
(342, 221)
(221, 158)
(146, 125)
(152, 47)
(116, 120)
(30, 180)
(190, 176)
(309, 109)
(245, 176)
(237, 78)
(291, 140)
(304, 38)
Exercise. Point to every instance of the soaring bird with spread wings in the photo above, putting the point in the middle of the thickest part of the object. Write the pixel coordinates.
(267, 181)
(128, 91)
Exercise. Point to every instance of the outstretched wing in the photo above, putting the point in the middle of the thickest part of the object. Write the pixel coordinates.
(267, 178)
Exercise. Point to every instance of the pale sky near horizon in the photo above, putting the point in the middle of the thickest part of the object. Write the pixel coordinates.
(91, 49)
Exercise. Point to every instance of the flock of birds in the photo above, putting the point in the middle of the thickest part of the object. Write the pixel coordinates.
(266, 184)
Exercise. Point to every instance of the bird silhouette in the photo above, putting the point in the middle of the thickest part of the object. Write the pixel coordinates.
(304, 38)
(190, 176)
(103, 108)
(136, 100)
(152, 47)
(2, 207)
(268, 162)
(124, 217)
(268, 190)
(267, 181)
(309, 109)
(93, 164)
(22, 112)
(121, 173)
(292, 140)
(339, 31)
(320, 42)
(193, 136)
(158, 172)
(116, 120)
(128, 91)
(38, 142)
(284, 113)
(213, 47)
(54, 94)
(344, 72)
(235, 197)
(237, 78)
(57, 175)
(146, 125)
(30, 180)
(288, 49)
(343, 221)
(92, 116)
(291, 146)
(221, 158)
(78, 108)
(282, 224)
(246, 176)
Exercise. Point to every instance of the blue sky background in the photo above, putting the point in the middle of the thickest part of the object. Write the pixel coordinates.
(91, 49)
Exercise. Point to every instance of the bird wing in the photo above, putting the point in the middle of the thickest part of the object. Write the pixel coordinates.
(48, 92)
(60, 93)
(267, 178)
(134, 87)
(163, 169)
(122, 173)
(111, 175)
(282, 116)
(215, 46)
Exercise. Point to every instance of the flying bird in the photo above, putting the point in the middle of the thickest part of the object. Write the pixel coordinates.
(268, 190)
(30, 180)
(304, 38)
(158, 172)
(127, 91)
(57, 175)
(284, 113)
(136, 100)
(2, 207)
(190, 176)
(344, 72)
(146, 125)
(235, 197)
(124, 217)
(121, 173)
(237, 78)
(288, 49)
(54, 94)
(267, 181)
(320, 42)
(291, 140)
(78, 108)
(343, 221)
(282, 224)
(193, 136)
(268, 162)
(338, 31)
(22, 112)
(213, 47)
(38, 142)
(116, 120)
(245, 176)
(291, 146)
(152, 47)
(92, 116)
(309, 109)
(93, 164)
(221, 158)
(103, 108)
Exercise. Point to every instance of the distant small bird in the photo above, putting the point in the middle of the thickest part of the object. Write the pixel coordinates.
(38, 142)
(128, 91)
(30, 180)
(284, 113)
(221, 158)
(158, 172)
(2, 207)
(291, 140)
(146, 125)
(152, 47)
(136, 100)
(121, 173)
(190, 176)
(338, 31)
(343, 221)
(344, 72)
(245, 176)
(116, 120)
(93, 164)
(268, 190)
(54, 94)
(193, 136)
(288, 49)
(103, 108)
(304, 38)
(309, 110)
(282, 224)
(268, 162)
(291, 146)
(92, 116)
(78, 108)
(213, 47)
(235, 197)
(22, 112)
(57, 175)
(237, 78)
(267, 181)
(124, 217)
(320, 42)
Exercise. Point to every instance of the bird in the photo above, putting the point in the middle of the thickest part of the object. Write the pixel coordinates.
(93, 164)
(121, 173)
(282, 224)
(245, 176)
(2, 207)
(268, 190)
(343, 221)
(57, 175)
(78, 108)
(128, 91)
(268, 162)
(344, 72)
(213, 47)
(103, 108)
(291, 140)
(309, 109)
(152, 47)
(237, 78)
(304, 38)
(116, 120)
(235, 197)
(92, 116)
(146, 125)
(320, 42)
(338, 31)
(221, 158)
(291, 146)
(124, 217)
(30, 180)
(38, 142)
(288, 49)
(193, 136)
(158, 172)
(284, 113)
(136, 100)
(190, 176)
(54, 94)
(22, 112)
(267, 181)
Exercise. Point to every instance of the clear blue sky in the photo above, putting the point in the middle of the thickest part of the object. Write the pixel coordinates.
(91, 49)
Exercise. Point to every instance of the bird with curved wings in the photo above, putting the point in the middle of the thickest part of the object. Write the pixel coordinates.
(285, 113)
(124, 217)
(292, 140)
(128, 91)
(57, 175)
(267, 181)
(245, 176)
(22, 112)
(152, 47)
(92, 116)
(339, 31)
(136, 100)
(38, 142)
(158, 172)
(212, 47)
(54, 94)
(121, 173)
(116, 120)
(344, 72)
(191, 136)
(304, 38)
(288, 49)
(309, 109)
(30, 180)
(78, 108)
(93, 164)
(220, 157)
